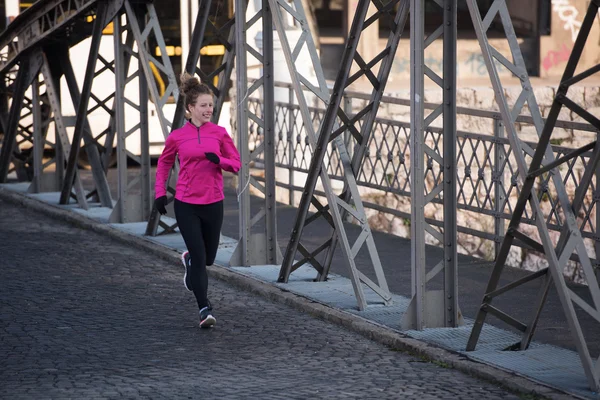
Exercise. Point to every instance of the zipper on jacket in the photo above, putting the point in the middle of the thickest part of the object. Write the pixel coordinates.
(198, 132)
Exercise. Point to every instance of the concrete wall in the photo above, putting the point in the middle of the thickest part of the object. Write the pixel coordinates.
(470, 63)
(588, 96)
(566, 16)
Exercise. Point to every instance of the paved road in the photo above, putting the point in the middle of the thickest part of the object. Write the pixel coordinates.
(394, 252)
(84, 316)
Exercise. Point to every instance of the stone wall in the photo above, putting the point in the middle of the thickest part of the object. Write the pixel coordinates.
(482, 98)
(553, 51)
(479, 98)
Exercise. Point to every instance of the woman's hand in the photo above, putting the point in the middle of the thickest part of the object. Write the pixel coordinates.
(160, 204)
(213, 158)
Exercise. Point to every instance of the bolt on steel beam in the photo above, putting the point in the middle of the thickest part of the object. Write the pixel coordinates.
(329, 131)
(543, 160)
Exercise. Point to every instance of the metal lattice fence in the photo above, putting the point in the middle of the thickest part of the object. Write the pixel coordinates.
(487, 177)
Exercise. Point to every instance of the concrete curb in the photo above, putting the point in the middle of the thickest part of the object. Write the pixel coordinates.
(369, 329)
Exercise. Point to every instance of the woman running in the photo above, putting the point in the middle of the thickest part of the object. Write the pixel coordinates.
(204, 149)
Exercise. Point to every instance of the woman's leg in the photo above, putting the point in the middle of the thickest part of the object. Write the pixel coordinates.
(212, 220)
(190, 225)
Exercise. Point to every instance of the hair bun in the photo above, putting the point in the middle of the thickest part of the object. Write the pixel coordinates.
(191, 87)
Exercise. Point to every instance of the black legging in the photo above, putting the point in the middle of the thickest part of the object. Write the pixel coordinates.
(200, 226)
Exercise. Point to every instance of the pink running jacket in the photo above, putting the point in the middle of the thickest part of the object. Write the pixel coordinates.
(200, 181)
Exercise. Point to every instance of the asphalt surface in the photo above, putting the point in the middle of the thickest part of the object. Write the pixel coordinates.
(395, 255)
(473, 275)
(86, 316)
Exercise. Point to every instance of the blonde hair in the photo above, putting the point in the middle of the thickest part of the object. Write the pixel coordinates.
(190, 87)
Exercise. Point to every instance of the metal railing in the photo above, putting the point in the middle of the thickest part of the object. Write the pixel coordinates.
(487, 179)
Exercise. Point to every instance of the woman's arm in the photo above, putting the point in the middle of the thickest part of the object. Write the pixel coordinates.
(165, 163)
(230, 158)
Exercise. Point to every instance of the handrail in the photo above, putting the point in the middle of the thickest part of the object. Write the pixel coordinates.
(482, 173)
(523, 118)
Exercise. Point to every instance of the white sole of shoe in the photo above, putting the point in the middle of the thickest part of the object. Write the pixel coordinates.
(185, 272)
(208, 322)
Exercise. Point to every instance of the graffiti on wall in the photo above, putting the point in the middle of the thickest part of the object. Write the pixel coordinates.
(472, 65)
(402, 65)
(568, 14)
(556, 57)
(476, 65)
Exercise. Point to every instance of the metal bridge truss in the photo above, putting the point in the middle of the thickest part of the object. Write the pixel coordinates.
(23, 44)
(136, 31)
(258, 233)
(434, 162)
(335, 122)
(542, 168)
(39, 46)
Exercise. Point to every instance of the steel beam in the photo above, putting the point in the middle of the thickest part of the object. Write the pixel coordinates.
(134, 203)
(28, 70)
(429, 308)
(39, 22)
(241, 111)
(141, 27)
(120, 210)
(337, 205)
(571, 238)
(40, 182)
(62, 147)
(82, 131)
(202, 20)
(128, 52)
(22, 160)
(144, 161)
(38, 138)
(271, 247)
(498, 180)
(362, 136)
(256, 247)
(453, 316)
(152, 31)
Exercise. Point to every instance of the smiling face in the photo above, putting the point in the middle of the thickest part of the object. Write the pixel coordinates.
(202, 109)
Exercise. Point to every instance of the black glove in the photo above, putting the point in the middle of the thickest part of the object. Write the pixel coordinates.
(160, 203)
(213, 158)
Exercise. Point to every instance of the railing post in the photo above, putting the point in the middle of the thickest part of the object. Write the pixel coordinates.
(38, 138)
(597, 240)
(347, 106)
(499, 192)
(291, 150)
